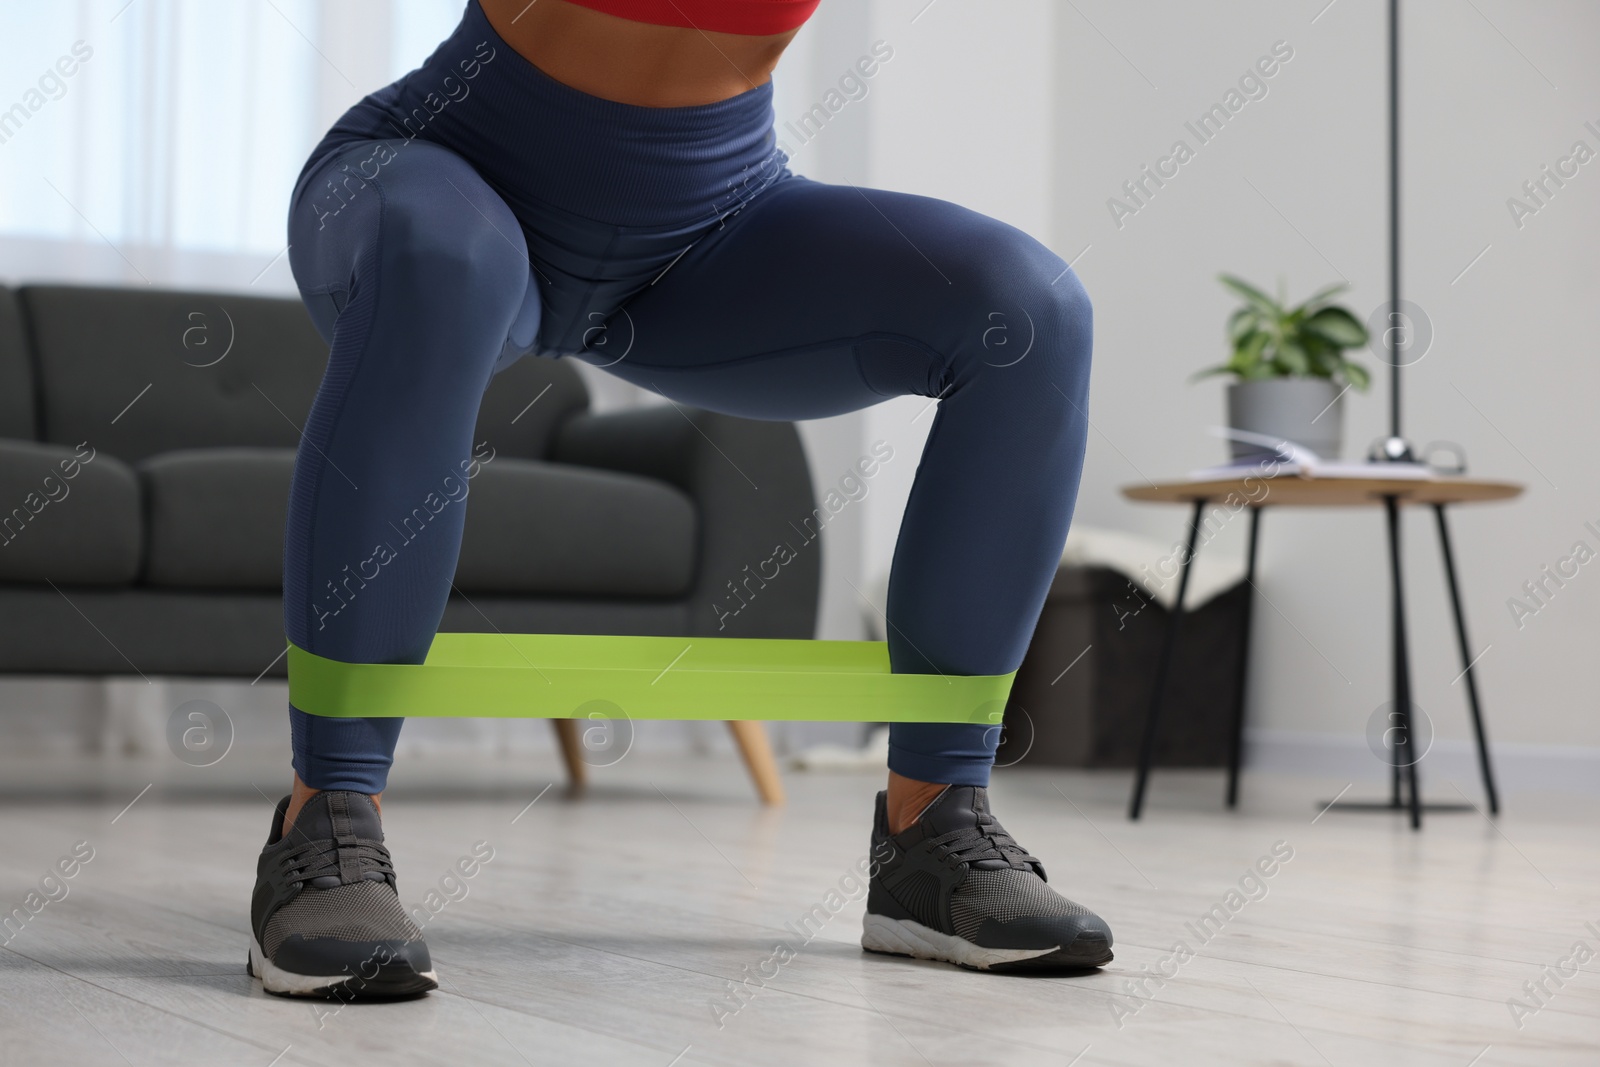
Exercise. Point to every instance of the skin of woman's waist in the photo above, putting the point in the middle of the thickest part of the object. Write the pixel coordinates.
(634, 62)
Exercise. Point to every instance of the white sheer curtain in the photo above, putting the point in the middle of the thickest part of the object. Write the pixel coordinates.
(167, 155)
(156, 141)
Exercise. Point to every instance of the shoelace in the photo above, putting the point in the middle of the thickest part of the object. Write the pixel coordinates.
(322, 859)
(986, 841)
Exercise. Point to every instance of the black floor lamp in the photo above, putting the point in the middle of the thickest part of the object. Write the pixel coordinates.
(1396, 449)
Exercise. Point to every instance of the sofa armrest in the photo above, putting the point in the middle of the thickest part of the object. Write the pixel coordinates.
(758, 570)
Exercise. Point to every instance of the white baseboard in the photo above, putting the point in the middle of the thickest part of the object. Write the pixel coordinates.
(1517, 766)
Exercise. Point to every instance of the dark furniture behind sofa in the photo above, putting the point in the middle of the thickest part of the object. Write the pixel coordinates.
(162, 554)
(1110, 635)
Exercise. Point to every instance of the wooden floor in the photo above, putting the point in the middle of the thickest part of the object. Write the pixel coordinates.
(607, 930)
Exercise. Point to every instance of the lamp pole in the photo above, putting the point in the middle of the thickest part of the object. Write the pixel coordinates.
(1394, 216)
(1396, 449)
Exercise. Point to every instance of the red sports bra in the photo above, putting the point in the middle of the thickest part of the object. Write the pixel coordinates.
(756, 18)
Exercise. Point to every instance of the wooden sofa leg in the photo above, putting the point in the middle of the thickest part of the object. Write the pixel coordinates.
(751, 737)
(571, 751)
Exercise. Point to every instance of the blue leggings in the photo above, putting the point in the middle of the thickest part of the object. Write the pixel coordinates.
(477, 212)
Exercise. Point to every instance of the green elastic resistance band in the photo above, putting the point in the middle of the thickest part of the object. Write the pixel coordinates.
(576, 676)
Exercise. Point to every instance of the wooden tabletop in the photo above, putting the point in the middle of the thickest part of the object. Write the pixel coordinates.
(1294, 491)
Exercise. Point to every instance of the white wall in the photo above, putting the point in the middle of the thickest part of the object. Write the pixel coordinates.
(1037, 113)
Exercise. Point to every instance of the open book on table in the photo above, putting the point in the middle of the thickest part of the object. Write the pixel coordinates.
(1289, 458)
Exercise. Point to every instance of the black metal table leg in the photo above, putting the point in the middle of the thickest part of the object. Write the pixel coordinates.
(1147, 747)
(1466, 660)
(1396, 797)
(1237, 744)
(1402, 661)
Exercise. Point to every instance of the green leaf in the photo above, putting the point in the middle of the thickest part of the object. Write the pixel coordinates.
(1255, 297)
(1355, 374)
(1320, 297)
(1324, 359)
(1242, 323)
(1210, 372)
(1338, 327)
(1249, 349)
(1292, 358)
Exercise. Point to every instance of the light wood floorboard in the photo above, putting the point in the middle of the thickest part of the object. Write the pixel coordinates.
(608, 926)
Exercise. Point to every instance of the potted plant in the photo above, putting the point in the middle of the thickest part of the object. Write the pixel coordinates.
(1289, 367)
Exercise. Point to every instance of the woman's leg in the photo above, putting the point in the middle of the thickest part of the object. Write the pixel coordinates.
(818, 299)
(815, 300)
(414, 271)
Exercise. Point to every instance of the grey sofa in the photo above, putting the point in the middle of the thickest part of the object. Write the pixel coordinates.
(146, 444)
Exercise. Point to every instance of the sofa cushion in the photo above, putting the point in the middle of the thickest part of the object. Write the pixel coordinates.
(140, 372)
(214, 517)
(550, 528)
(143, 372)
(70, 515)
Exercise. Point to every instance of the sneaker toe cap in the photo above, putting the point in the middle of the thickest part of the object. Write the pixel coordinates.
(1084, 935)
(375, 966)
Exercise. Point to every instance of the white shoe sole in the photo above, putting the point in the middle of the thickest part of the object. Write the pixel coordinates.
(904, 937)
(275, 979)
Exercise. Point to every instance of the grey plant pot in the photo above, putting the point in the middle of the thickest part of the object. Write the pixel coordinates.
(1307, 411)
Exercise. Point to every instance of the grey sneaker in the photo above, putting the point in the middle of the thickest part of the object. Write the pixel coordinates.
(326, 919)
(954, 886)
